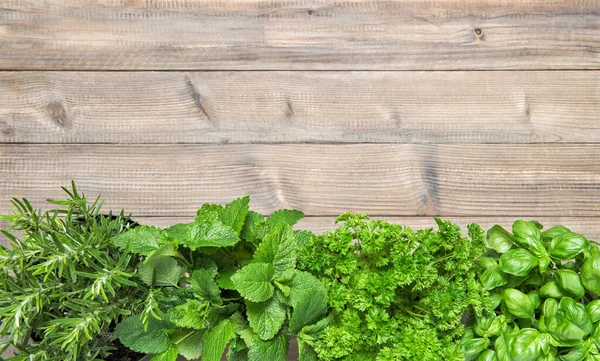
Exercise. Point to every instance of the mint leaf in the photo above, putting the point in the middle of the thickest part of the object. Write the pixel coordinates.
(287, 216)
(204, 286)
(209, 234)
(253, 281)
(224, 278)
(216, 339)
(250, 231)
(132, 335)
(266, 318)
(235, 213)
(273, 350)
(209, 212)
(141, 240)
(279, 248)
(169, 355)
(191, 314)
(161, 271)
(308, 297)
(178, 232)
(302, 237)
(190, 345)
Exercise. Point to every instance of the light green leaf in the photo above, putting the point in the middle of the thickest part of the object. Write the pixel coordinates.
(273, 350)
(266, 318)
(141, 240)
(551, 233)
(209, 213)
(210, 234)
(215, 340)
(567, 246)
(278, 247)
(524, 345)
(250, 231)
(569, 281)
(204, 286)
(303, 237)
(519, 304)
(161, 271)
(235, 213)
(552, 289)
(308, 297)
(492, 278)
(487, 355)
(178, 232)
(473, 347)
(518, 262)
(132, 335)
(190, 345)
(593, 309)
(287, 216)
(590, 275)
(527, 235)
(499, 239)
(169, 355)
(253, 281)
(191, 314)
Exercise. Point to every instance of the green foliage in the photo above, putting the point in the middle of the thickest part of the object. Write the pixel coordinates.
(394, 294)
(228, 278)
(545, 285)
(64, 285)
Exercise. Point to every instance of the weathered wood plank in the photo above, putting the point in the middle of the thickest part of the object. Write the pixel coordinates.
(291, 34)
(253, 107)
(379, 179)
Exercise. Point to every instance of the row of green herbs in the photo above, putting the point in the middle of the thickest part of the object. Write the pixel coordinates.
(544, 288)
(228, 278)
(235, 280)
(64, 284)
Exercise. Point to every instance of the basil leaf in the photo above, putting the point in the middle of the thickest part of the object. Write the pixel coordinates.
(567, 246)
(590, 275)
(499, 239)
(473, 347)
(518, 262)
(492, 278)
(593, 309)
(525, 345)
(569, 281)
(552, 289)
(519, 304)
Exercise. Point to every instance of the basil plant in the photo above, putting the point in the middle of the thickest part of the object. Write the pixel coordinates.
(544, 288)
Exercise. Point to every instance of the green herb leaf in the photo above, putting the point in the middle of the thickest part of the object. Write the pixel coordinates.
(210, 234)
(569, 281)
(161, 271)
(215, 340)
(278, 248)
(190, 346)
(132, 335)
(519, 304)
(266, 318)
(590, 275)
(191, 314)
(518, 262)
(525, 345)
(308, 297)
(272, 350)
(285, 216)
(204, 286)
(235, 213)
(169, 355)
(253, 281)
(492, 278)
(567, 246)
(499, 239)
(141, 240)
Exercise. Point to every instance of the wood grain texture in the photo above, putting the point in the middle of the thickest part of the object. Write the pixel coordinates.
(381, 179)
(258, 107)
(292, 34)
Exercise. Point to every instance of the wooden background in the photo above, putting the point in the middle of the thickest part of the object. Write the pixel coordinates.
(474, 110)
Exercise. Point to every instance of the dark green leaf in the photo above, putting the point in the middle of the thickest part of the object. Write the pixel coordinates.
(308, 297)
(250, 231)
(204, 286)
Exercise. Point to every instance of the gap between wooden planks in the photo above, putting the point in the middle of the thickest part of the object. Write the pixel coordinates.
(289, 34)
(320, 180)
(315, 107)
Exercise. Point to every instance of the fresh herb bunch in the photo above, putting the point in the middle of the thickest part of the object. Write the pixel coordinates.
(545, 288)
(395, 294)
(229, 277)
(64, 285)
